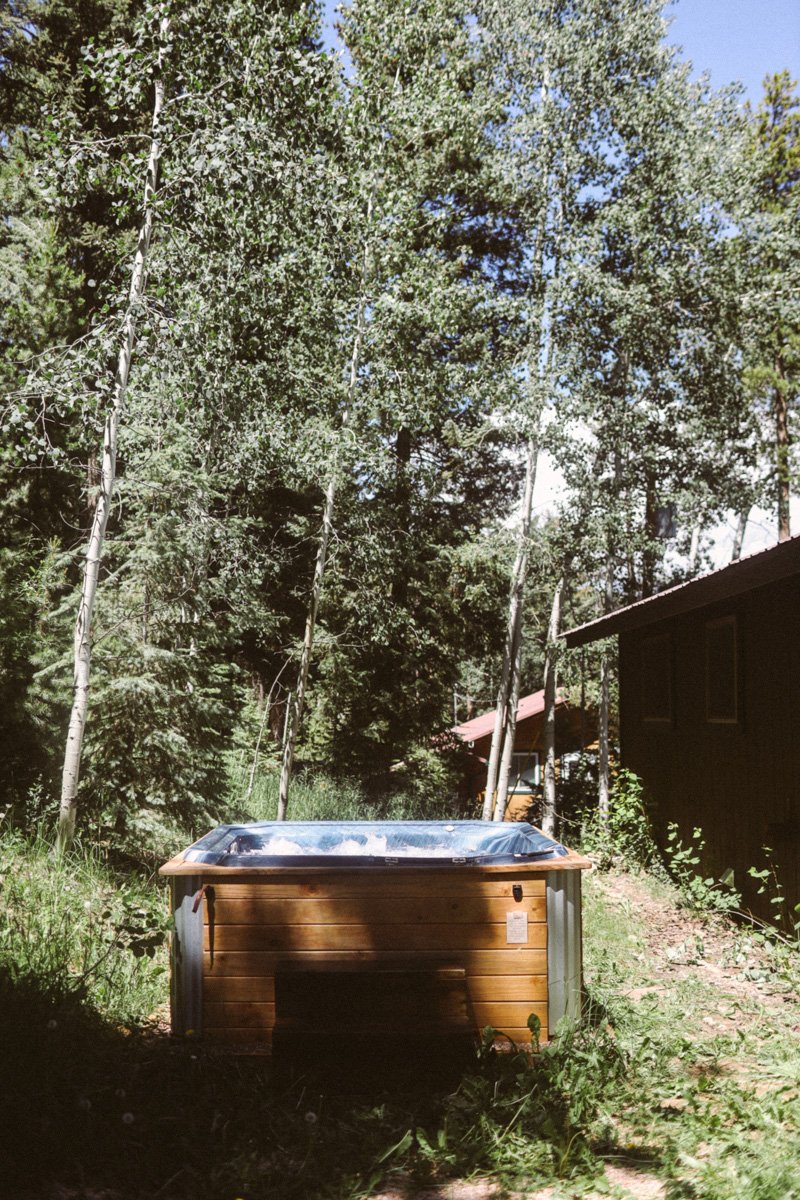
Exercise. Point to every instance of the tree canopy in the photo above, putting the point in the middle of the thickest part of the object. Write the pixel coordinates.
(388, 281)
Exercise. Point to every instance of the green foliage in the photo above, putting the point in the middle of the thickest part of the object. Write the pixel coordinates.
(766, 257)
(75, 934)
(784, 918)
(699, 893)
(317, 796)
(520, 232)
(625, 837)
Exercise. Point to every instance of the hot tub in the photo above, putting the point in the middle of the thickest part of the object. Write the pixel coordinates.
(386, 924)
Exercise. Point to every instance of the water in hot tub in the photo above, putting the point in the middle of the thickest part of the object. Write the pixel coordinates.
(401, 840)
(372, 843)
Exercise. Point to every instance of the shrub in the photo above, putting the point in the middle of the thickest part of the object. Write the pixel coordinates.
(702, 894)
(625, 838)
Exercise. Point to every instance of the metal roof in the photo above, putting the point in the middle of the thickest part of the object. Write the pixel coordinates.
(479, 727)
(745, 575)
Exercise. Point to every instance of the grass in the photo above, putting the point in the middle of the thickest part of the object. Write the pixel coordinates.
(319, 797)
(96, 1096)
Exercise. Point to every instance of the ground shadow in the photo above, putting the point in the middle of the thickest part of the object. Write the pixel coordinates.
(89, 1110)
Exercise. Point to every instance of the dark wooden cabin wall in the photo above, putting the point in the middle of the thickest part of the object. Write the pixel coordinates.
(740, 783)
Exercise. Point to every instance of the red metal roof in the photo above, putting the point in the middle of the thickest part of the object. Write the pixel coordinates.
(766, 566)
(479, 727)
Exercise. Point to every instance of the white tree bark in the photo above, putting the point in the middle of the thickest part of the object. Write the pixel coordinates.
(539, 359)
(296, 708)
(295, 714)
(603, 780)
(738, 537)
(513, 630)
(604, 755)
(510, 732)
(94, 549)
(549, 808)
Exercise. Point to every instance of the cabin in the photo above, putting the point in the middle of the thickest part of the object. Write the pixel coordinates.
(575, 730)
(709, 711)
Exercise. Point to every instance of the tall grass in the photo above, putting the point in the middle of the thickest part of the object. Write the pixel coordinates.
(73, 931)
(317, 796)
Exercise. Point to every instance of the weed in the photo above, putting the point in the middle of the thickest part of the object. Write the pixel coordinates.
(77, 932)
(786, 919)
(625, 838)
(93, 1106)
(698, 893)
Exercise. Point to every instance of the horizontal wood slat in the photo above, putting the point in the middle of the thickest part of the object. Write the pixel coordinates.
(423, 885)
(505, 988)
(263, 1038)
(257, 988)
(219, 873)
(369, 937)
(226, 1034)
(229, 1014)
(406, 910)
(505, 1016)
(511, 960)
(489, 988)
(521, 1037)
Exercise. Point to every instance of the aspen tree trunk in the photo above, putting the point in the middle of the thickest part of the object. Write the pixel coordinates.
(648, 555)
(295, 713)
(603, 789)
(510, 729)
(738, 537)
(502, 745)
(94, 549)
(603, 765)
(781, 410)
(513, 629)
(297, 705)
(694, 549)
(549, 809)
(267, 703)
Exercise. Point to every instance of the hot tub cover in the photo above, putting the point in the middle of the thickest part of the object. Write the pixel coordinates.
(372, 843)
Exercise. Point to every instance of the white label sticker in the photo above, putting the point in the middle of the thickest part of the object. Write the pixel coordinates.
(517, 926)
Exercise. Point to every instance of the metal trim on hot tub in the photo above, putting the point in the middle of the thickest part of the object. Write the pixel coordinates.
(564, 947)
(187, 955)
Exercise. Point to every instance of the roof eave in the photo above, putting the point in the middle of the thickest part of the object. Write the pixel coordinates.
(765, 567)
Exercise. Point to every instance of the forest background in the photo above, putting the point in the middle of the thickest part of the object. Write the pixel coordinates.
(369, 301)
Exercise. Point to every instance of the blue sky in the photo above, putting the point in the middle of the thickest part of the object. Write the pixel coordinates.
(735, 40)
(738, 40)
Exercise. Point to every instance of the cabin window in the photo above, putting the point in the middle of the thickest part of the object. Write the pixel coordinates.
(525, 771)
(722, 672)
(657, 678)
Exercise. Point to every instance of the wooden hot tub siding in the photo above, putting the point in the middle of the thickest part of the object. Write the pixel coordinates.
(231, 940)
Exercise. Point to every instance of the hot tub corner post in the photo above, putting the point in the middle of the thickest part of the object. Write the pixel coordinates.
(186, 993)
(564, 947)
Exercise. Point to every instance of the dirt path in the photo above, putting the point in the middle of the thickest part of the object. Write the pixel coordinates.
(682, 946)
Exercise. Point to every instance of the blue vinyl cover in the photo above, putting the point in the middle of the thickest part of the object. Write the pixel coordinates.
(372, 843)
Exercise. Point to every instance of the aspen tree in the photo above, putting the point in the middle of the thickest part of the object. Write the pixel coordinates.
(94, 550)
(556, 86)
(769, 249)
